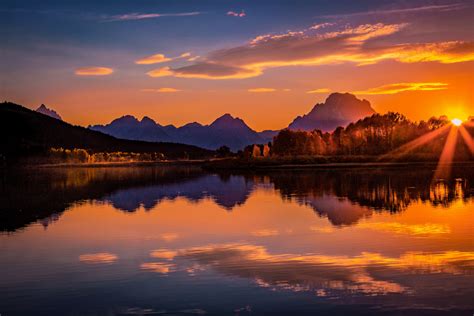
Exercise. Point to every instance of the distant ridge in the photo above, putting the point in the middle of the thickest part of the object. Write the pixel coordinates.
(339, 109)
(43, 109)
(226, 130)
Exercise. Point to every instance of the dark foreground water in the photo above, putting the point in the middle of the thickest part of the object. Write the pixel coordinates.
(175, 241)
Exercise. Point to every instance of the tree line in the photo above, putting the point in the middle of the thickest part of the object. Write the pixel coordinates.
(374, 135)
(78, 155)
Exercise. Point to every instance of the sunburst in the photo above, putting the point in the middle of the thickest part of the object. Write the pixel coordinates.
(443, 168)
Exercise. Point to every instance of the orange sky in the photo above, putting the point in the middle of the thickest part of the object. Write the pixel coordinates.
(417, 60)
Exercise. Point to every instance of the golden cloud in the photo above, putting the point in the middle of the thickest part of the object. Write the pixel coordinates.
(161, 58)
(395, 88)
(258, 90)
(161, 90)
(153, 59)
(160, 72)
(321, 90)
(265, 233)
(304, 48)
(168, 237)
(93, 71)
(98, 258)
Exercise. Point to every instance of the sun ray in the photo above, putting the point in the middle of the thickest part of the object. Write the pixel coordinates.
(467, 139)
(406, 148)
(443, 169)
(469, 123)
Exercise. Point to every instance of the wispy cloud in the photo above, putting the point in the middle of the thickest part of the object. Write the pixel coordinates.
(237, 14)
(161, 90)
(395, 88)
(153, 59)
(420, 9)
(161, 58)
(93, 71)
(142, 16)
(260, 90)
(265, 233)
(321, 90)
(160, 72)
(321, 26)
(349, 44)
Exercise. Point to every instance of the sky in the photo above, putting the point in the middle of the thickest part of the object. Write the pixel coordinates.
(179, 61)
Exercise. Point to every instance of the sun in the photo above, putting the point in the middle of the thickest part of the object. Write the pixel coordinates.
(456, 122)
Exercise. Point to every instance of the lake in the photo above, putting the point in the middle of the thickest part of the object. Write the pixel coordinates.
(181, 241)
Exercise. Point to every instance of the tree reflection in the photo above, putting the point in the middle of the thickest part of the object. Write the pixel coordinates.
(344, 196)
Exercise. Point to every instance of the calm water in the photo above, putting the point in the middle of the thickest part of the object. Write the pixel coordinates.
(175, 241)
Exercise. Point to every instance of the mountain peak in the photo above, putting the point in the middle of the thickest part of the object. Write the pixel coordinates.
(192, 124)
(148, 120)
(228, 121)
(43, 109)
(339, 109)
(126, 119)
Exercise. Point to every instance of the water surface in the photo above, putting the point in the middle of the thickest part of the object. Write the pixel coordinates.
(179, 241)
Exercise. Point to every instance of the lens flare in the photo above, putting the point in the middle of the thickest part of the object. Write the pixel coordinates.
(456, 122)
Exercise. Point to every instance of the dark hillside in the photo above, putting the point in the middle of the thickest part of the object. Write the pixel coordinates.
(25, 132)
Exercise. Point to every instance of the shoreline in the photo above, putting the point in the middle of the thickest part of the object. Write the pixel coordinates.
(243, 164)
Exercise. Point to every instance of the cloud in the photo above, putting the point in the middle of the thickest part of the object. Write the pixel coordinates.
(160, 72)
(168, 237)
(395, 88)
(161, 90)
(265, 233)
(153, 59)
(142, 16)
(93, 71)
(320, 26)
(206, 71)
(161, 58)
(236, 14)
(420, 9)
(98, 258)
(358, 45)
(321, 90)
(194, 58)
(258, 90)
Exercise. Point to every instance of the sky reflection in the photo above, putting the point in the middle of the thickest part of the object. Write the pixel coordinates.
(348, 239)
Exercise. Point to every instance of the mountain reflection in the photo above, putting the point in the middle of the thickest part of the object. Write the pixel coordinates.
(227, 192)
(343, 196)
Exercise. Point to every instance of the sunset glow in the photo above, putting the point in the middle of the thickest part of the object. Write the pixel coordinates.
(456, 122)
(291, 62)
(283, 157)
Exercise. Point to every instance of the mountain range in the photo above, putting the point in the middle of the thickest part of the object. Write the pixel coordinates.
(26, 133)
(339, 109)
(225, 130)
